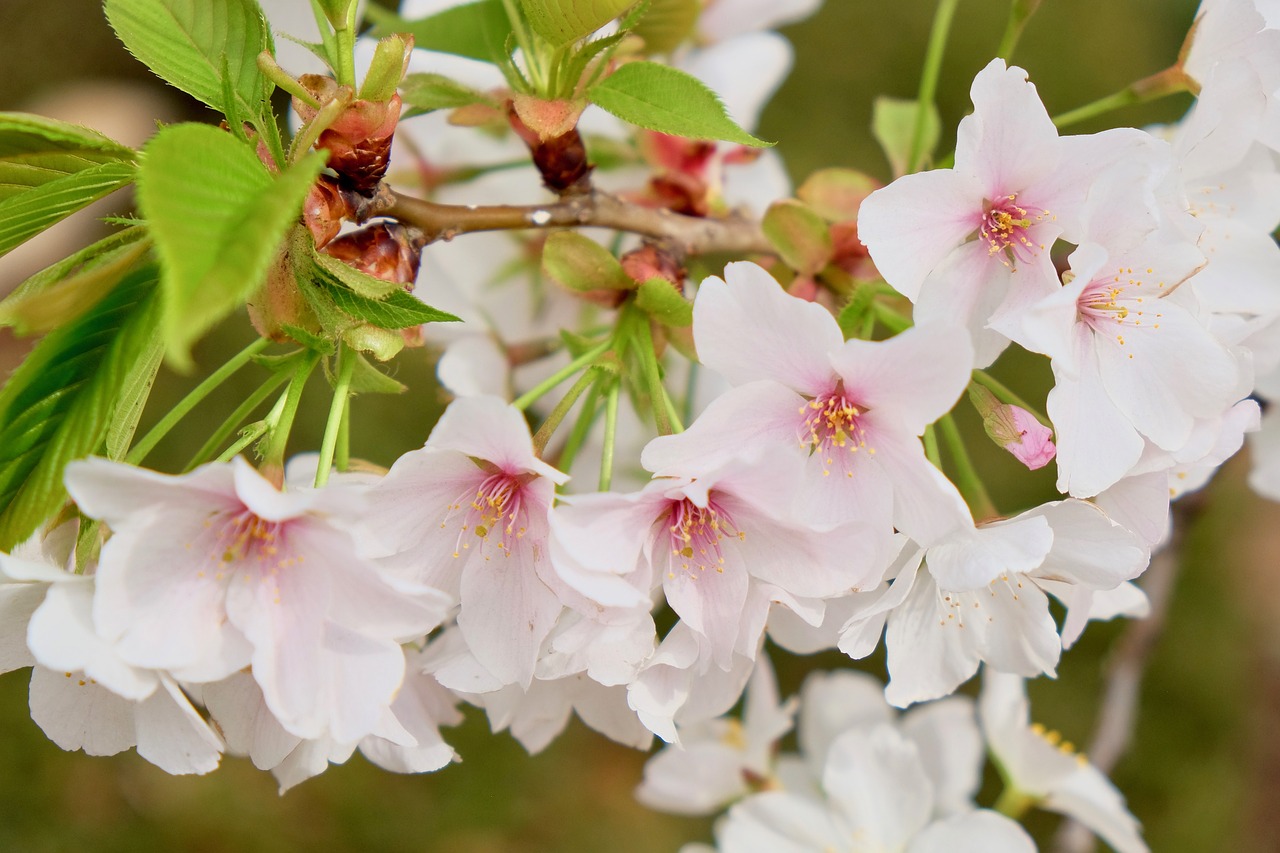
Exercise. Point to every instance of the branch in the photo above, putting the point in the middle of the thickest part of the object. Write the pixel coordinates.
(688, 235)
(1118, 710)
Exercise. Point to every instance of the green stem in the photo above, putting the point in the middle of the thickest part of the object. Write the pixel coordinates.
(995, 386)
(1020, 11)
(341, 396)
(1013, 803)
(931, 447)
(342, 458)
(690, 393)
(658, 400)
(282, 424)
(967, 478)
(345, 71)
(251, 434)
(525, 43)
(610, 437)
(140, 450)
(581, 429)
(206, 452)
(672, 414)
(929, 78)
(1171, 81)
(530, 397)
(889, 318)
(561, 411)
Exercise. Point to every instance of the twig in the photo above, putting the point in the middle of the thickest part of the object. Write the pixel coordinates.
(1118, 711)
(688, 235)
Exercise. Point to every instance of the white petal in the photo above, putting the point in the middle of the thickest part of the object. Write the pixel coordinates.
(980, 831)
(876, 780)
(78, 714)
(173, 736)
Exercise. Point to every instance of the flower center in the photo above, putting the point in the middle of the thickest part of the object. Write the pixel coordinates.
(1108, 305)
(1006, 228)
(496, 513)
(832, 426)
(696, 533)
(244, 536)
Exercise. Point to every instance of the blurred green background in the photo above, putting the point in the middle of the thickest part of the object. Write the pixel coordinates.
(1204, 773)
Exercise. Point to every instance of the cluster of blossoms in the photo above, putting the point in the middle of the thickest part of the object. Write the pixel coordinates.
(805, 502)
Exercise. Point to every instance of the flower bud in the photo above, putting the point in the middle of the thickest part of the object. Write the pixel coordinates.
(1015, 429)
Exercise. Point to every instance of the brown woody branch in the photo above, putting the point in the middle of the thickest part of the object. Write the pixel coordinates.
(685, 235)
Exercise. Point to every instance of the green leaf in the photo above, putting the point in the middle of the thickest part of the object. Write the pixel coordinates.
(423, 93)
(58, 406)
(367, 379)
(662, 98)
(400, 310)
(26, 215)
(44, 302)
(563, 21)
(893, 123)
(36, 150)
(186, 42)
(335, 272)
(387, 68)
(659, 298)
(580, 263)
(667, 24)
(217, 217)
(474, 30)
(133, 397)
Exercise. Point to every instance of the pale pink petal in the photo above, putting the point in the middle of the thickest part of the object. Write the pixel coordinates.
(488, 428)
(926, 505)
(1021, 636)
(1009, 141)
(1088, 547)
(929, 654)
(877, 782)
(967, 289)
(506, 614)
(1097, 445)
(747, 327)
(710, 602)
(76, 714)
(832, 703)
(173, 736)
(17, 602)
(116, 493)
(980, 831)
(246, 722)
(970, 558)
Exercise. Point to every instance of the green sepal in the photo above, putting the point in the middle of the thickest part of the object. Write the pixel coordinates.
(667, 100)
(659, 298)
(386, 70)
(367, 379)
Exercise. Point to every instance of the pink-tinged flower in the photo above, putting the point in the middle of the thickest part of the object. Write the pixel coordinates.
(1042, 767)
(467, 514)
(847, 413)
(1132, 359)
(1015, 429)
(709, 537)
(216, 570)
(950, 240)
(978, 596)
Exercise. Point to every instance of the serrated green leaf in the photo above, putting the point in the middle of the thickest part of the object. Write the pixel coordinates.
(26, 215)
(41, 309)
(399, 310)
(367, 379)
(185, 43)
(667, 24)
(563, 21)
(59, 404)
(474, 30)
(667, 100)
(336, 272)
(217, 217)
(893, 123)
(423, 93)
(659, 298)
(36, 150)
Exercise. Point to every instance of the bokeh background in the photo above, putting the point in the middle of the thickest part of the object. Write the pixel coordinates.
(1204, 770)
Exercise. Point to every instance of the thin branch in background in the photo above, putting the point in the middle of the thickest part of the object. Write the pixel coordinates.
(1118, 710)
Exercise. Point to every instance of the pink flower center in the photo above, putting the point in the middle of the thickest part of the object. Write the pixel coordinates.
(832, 426)
(1108, 305)
(497, 513)
(244, 542)
(1006, 225)
(696, 533)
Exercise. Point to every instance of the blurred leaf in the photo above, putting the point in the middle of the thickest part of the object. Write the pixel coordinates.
(893, 122)
(188, 43)
(563, 21)
(658, 97)
(25, 215)
(474, 30)
(423, 93)
(580, 263)
(60, 403)
(836, 193)
(667, 23)
(217, 217)
(799, 234)
(36, 150)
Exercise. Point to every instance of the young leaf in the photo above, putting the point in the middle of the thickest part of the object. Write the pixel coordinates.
(36, 150)
(666, 24)
(335, 272)
(400, 310)
(893, 122)
(580, 263)
(59, 404)
(367, 379)
(133, 397)
(423, 93)
(25, 215)
(662, 98)
(563, 21)
(185, 43)
(475, 30)
(799, 234)
(659, 298)
(217, 217)
(44, 308)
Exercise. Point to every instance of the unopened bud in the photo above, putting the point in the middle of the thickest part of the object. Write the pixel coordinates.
(383, 250)
(1014, 428)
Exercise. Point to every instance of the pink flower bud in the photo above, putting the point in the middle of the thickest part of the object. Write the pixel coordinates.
(1033, 444)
